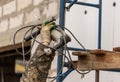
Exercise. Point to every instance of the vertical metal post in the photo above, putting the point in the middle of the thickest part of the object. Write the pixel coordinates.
(62, 23)
(97, 76)
(99, 35)
(100, 24)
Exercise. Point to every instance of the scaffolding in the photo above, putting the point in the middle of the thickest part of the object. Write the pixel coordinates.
(62, 23)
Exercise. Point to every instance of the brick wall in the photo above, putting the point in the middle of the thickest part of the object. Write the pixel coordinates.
(17, 13)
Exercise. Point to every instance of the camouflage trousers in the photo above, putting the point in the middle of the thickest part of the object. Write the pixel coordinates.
(38, 67)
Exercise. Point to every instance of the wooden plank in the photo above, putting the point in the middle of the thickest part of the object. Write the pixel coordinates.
(100, 52)
(80, 53)
(117, 49)
(11, 47)
(96, 51)
(75, 63)
(99, 62)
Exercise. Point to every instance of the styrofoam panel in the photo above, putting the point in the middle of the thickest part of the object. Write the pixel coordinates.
(117, 24)
(107, 24)
(91, 28)
(90, 1)
(74, 22)
(107, 76)
(75, 77)
(77, 22)
(85, 27)
(87, 33)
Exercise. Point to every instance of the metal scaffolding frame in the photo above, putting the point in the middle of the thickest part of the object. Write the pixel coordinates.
(61, 75)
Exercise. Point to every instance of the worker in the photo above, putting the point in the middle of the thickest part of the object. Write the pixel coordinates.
(39, 64)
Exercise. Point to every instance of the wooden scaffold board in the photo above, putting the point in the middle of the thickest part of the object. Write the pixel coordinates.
(98, 59)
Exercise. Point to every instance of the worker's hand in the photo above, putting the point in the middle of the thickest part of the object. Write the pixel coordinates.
(45, 33)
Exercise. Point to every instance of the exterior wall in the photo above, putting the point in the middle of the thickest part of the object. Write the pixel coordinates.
(17, 13)
(85, 28)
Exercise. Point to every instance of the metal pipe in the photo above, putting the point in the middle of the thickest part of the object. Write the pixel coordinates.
(62, 23)
(71, 4)
(76, 49)
(99, 35)
(100, 24)
(97, 76)
(85, 4)
(64, 75)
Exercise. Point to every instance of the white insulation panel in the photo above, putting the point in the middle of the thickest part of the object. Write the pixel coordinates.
(83, 22)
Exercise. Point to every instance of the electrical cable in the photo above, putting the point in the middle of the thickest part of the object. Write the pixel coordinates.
(66, 49)
(61, 66)
(23, 52)
(75, 38)
(70, 56)
(40, 56)
(76, 68)
(53, 49)
(83, 48)
(14, 41)
(64, 38)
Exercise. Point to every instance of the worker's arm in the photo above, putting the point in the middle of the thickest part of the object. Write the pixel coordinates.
(39, 65)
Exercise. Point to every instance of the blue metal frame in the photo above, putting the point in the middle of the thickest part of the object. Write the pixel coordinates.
(71, 4)
(62, 23)
(99, 35)
(64, 75)
(85, 4)
(76, 49)
(100, 24)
